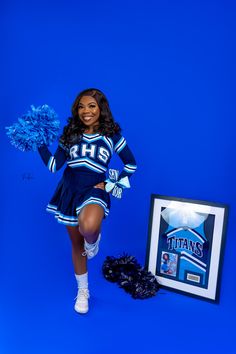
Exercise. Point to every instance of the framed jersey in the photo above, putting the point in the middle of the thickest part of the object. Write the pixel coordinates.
(185, 245)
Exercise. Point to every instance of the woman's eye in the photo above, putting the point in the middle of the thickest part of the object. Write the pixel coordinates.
(92, 106)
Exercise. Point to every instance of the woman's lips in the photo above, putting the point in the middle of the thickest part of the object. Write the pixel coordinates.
(87, 118)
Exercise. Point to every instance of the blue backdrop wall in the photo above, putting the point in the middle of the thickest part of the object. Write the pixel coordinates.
(168, 70)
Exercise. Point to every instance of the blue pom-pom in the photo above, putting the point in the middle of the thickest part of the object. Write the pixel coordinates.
(37, 127)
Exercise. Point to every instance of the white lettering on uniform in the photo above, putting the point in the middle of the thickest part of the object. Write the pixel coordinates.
(73, 151)
(86, 150)
(103, 154)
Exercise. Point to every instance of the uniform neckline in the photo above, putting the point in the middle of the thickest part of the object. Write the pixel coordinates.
(94, 134)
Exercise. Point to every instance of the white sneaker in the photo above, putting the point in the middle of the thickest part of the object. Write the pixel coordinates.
(81, 304)
(90, 250)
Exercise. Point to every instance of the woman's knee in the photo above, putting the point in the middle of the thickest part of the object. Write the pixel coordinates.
(87, 226)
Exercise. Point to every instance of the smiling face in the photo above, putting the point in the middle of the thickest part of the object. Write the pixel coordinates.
(165, 256)
(89, 113)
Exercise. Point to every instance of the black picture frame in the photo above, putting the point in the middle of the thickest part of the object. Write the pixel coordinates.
(185, 246)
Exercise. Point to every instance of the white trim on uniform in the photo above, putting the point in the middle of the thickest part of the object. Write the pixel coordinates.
(52, 164)
(87, 163)
(51, 208)
(93, 200)
(109, 142)
(66, 220)
(95, 137)
(73, 220)
(61, 218)
(120, 145)
(130, 168)
(91, 137)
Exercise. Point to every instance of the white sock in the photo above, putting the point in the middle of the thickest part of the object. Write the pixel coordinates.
(91, 245)
(82, 280)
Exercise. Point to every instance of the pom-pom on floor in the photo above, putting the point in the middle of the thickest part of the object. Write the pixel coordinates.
(128, 273)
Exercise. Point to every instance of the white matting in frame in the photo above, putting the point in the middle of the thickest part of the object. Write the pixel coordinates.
(185, 245)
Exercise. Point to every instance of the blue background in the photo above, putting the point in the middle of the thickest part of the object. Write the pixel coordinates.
(168, 70)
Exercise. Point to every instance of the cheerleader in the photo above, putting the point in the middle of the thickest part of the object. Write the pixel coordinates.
(82, 200)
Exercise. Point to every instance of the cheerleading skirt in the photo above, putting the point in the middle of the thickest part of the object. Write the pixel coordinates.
(74, 191)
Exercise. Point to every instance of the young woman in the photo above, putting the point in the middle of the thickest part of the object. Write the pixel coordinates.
(80, 201)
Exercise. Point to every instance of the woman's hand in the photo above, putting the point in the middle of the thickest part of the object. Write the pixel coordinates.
(100, 185)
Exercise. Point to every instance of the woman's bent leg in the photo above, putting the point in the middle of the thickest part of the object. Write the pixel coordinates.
(90, 220)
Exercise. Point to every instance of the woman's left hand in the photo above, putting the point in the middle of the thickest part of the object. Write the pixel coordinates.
(100, 185)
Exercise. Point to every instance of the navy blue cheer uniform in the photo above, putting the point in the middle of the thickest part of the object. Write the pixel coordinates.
(87, 163)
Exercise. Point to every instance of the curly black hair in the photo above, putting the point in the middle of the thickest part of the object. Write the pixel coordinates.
(73, 131)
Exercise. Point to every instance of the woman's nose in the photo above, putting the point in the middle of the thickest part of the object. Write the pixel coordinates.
(86, 109)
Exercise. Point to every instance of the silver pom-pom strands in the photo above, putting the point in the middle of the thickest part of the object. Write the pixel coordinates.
(37, 127)
(129, 275)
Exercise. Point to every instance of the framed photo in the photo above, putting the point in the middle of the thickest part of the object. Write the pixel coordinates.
(185, 246)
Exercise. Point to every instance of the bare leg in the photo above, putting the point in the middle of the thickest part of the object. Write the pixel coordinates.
(90, 220)
(77, 241)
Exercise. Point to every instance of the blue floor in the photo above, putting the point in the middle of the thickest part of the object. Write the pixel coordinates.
(37, 315)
